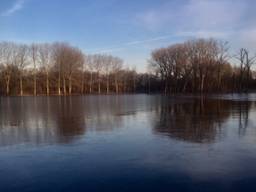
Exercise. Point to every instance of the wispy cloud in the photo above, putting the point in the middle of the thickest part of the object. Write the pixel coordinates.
(18, 5)
(149, 40)
(182, 34)
(205, 34)
(127, 44)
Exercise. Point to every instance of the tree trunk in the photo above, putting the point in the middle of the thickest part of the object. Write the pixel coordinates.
(241, 79)
(34, 85)
(194, 81)
(82, 88)
(165, 87)
(59, 92)
(116, 85)
(123, 87)
(202, 84)
(134, 83)
(64, 86)
(99, 91)
(248, 79)
(149, 86)
(219, 79)
(108, 84)
(21, 86)
(70, 85)
(47, 84)
(185, 86)
(35, 91)
(91, 84)
(99, 87)
(8, 85)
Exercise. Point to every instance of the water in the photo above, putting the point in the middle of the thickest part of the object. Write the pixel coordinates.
(128, 143)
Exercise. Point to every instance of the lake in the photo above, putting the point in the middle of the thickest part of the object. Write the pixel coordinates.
(128, 143)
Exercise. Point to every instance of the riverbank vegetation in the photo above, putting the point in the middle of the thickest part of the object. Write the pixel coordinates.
(195, 66)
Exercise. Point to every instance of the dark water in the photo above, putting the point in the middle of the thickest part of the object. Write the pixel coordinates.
(128, 143)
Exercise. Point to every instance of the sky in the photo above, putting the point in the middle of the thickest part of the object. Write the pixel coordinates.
(129, 29)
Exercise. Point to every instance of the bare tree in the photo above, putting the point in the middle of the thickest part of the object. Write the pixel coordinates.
(68, 59)
(21, 62)
(75, 60)
(45, 58)
(8, 59)
(222, 59)
(116, 68)
(134, 79)
(160, 61)
(33, 50)
(90, 63)
(107, 63)
(98, 65)
(84, 69)
(245, 62)
(57, 63)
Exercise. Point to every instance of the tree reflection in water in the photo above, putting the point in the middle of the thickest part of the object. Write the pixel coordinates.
(200, 120)
(40, 120)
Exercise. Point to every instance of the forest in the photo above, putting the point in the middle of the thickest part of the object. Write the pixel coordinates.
(195, 66)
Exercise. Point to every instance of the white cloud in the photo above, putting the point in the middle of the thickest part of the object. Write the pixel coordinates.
(231, 20)
(195, 14)
(213, 14)
(18, 5)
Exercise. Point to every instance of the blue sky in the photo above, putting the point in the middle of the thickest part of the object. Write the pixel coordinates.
(128, 29)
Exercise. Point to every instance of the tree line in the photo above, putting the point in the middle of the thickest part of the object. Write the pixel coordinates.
(203, 65)
(61, 69)
(195, 66)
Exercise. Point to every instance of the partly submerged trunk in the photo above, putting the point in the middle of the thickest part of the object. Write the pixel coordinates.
(108, 84)
(91, 83)
(64, 86)
(59, 92)
(124, 85)
(185, 86)
(219, 78)
(70, 85)
(47, 84)
(134, 84)
(165, 87)
(35, 82)
(82, 87)
(202, 84)
(99, 89)
(21, 85)
(149, 86)
(8, 79)
(116, 85)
